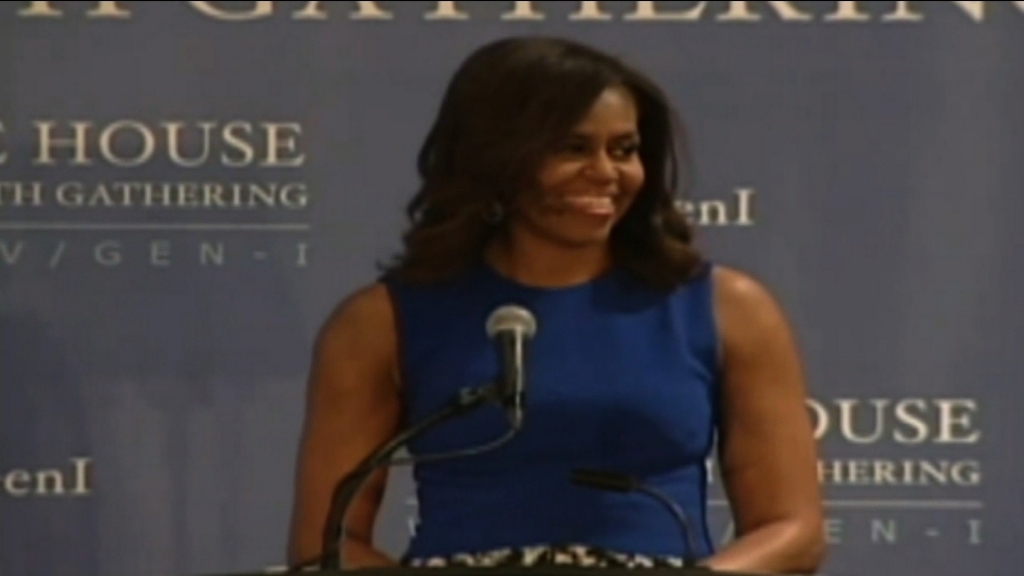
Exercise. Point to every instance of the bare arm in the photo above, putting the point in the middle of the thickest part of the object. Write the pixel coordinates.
(768, 454)
(352, 406)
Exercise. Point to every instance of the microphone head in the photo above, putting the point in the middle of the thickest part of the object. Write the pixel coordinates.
(511, 318)
(604, 480)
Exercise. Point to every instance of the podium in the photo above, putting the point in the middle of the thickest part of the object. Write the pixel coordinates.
(547, 570)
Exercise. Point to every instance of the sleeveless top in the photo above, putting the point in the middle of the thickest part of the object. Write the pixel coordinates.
(618, 378)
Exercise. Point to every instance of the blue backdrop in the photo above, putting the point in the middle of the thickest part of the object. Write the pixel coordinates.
(187, 188)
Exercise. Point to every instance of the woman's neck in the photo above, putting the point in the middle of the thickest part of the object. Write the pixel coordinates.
(543, 263)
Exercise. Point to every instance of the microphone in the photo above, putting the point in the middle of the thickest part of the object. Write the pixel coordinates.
(511, 327)
(332, 555)
(618, 482)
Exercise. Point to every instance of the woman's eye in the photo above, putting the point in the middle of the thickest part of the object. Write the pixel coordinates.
(627, 150)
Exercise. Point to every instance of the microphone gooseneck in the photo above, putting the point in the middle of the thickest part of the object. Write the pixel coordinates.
(619, 482)
(510, 326)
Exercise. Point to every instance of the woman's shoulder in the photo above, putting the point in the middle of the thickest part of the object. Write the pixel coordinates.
(748, 312)
(732, 282)
(740, 292)
(374, 311)
(366, 314)
(365, 302)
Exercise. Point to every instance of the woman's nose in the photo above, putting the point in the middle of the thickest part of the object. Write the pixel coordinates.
(601, 167)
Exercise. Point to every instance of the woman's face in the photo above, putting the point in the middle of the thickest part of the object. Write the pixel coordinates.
(589, 182)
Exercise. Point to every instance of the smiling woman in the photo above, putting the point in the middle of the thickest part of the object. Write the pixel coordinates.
(528, 130)
(549, 181)
(588, 183)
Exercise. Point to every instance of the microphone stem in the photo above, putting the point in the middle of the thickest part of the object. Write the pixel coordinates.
(333, 549)
(689, 560)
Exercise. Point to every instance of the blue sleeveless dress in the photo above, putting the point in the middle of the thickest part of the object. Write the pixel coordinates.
(618, 378)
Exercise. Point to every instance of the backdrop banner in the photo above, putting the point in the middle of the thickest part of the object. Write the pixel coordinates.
(188, 188)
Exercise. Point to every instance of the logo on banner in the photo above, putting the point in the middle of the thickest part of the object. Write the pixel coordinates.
(895, 471)
(172, 193)
(735, 210)
(71, 480)
(849, 12)
(900, 473)
(154, 193)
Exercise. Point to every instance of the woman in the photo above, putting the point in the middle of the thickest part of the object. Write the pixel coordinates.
(549, 182)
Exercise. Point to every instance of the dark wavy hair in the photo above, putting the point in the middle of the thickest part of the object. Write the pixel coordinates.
(509, 104)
